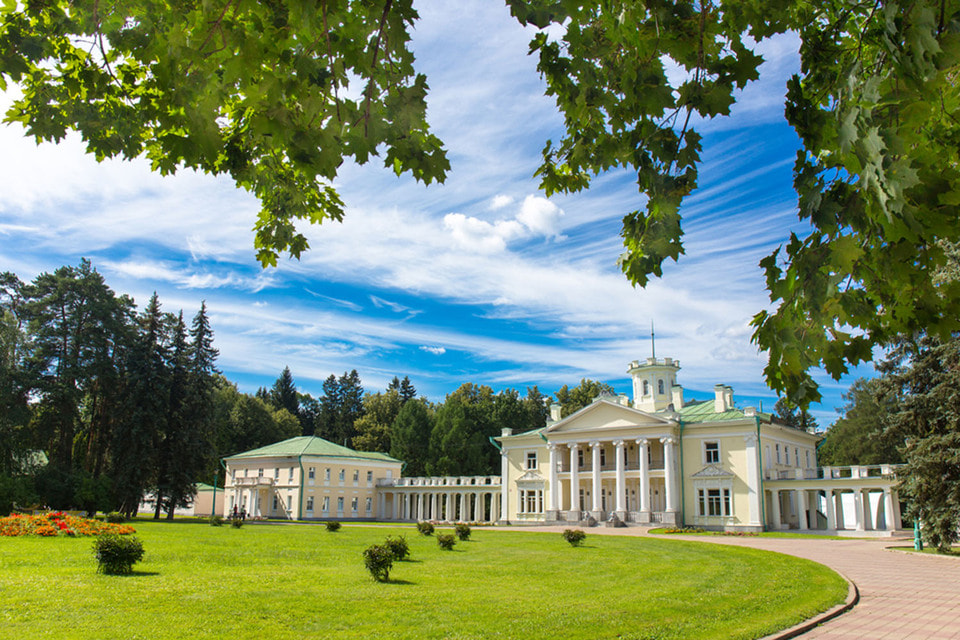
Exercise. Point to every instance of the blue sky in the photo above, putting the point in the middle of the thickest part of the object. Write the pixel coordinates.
(480, 279)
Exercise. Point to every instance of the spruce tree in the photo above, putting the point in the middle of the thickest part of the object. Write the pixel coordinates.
(283, 394)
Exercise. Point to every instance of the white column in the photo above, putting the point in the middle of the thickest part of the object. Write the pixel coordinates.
(554, 485)
(858, 508)
(420, 506)
(495, 505)
(574, 481)
(476, 507)
(448, 514)
(621, 503)
(669, 473)
(504, 485)
(831, 510)
(753, 477)
(642, 445)
(803, 509)
(595, 463)
(775, 494)
(867, 512)
(841, 521)
(896, 509)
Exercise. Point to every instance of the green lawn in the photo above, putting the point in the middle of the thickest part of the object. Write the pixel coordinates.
(663, 531)
(301, 581)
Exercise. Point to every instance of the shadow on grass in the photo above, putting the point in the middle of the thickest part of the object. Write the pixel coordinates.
(133, 574)
(399, 582)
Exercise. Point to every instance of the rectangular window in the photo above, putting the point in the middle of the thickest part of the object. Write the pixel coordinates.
(713, 502)
(353, 504)
(778, 453)
(531, 459)
(603, 457)
(796, 455)
(356, 475)
(711, 452)
(245, 472)
(369, 476)
(368, 505)
(276, 473)
(289, 502)
(259, 473)
(290, 474)
(310, 473)
(340, 503)
(579, 457)
(275, 504)
(342, 475)
(309, 503)
(726, 502)
(326, 474)
(701, 503)
(531, 501)
(233, 474)
(326, 503)
(807, 456)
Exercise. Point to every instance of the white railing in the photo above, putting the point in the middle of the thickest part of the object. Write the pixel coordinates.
(441, 481)
(253, 482)
(834, 473)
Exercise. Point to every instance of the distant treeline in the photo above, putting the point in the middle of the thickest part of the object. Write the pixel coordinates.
(102, 403)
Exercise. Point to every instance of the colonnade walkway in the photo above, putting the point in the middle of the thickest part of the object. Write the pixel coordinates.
(903, 595)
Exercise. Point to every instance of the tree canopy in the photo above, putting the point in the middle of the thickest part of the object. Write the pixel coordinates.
(278, 95)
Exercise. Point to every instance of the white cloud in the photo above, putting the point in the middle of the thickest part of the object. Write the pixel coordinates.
(437, 351)
(540, 216)
(500, 201)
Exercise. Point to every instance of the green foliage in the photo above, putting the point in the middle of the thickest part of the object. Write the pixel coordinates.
(283, 394)
(446, 541)
(236, 522)
(216, 520)
(340, 407)
(924, 376)
(858, 436)
(410, 437)
(462, 530)
(574, 536)
(115, 517)
(572, 400)
(789, 414)
(378, 559)
(373, 428)
(398, 547)
(116, 555)
(425, 528)
(332, 525)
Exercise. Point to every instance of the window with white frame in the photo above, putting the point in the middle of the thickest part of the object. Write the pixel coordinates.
(259, 473)
(356, 475)
(713, 502)
(343, 474)
(309, 503)
(660, 386)
(326, 503)
(276, 505)
(233, 474)
(579, 457)
(326, 474)
(796, 455)
(340, 503)
(289, 502)
(369, 476)
(807, 457)
(603, 456)
(531, 501)
(310, 473)
(353, 504)
(646, 388)
(711, 452)
(531, 459)
(276, 473)
(368, 505)
(290, 475)
(778, 453)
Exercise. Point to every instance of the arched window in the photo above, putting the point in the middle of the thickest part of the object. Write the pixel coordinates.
(660, 386)
(646, 388)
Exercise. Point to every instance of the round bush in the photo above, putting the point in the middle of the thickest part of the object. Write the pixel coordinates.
(573, 536)
(378, 559)
(446, 541)
(115, 517)
(236, 523)
(462, 530)
(333, 525)
(216, 520)
(398, 547)
(425, 528)
(116, 555)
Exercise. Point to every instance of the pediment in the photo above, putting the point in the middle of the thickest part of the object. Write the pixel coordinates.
(605, 415)
(712, 471)
(531, 475)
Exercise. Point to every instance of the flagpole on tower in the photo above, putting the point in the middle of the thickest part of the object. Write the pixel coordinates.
(653, 344)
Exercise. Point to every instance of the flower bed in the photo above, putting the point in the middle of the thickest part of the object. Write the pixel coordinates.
(58, 523)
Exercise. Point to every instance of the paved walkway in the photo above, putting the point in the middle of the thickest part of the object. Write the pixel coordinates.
(903, 596)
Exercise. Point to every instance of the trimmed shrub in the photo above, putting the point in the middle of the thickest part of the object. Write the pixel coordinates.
(425, 528)
(332, 525)
(378, 558)
(115, 517)
(236, 523)
(446, 541)
(398, 547)
(216, 520)
(116, 555)
(462, 530)
(573, 536)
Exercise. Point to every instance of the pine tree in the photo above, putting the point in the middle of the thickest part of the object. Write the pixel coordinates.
(283, 395)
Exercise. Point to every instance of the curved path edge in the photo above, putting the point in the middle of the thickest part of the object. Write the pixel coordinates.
(853, 597)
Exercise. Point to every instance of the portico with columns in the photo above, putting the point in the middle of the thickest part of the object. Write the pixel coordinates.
(664, 459)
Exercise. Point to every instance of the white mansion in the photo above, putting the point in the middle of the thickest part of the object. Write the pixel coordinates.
(659, 459)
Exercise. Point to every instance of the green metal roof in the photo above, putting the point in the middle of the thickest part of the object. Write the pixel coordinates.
(310, 446)
(703, 411)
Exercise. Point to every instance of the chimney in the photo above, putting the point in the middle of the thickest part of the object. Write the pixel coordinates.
(555, 412)
(719, 398)
(506, 431)
(676, 393)
(624, 400)
(728, 396)
(750, 412)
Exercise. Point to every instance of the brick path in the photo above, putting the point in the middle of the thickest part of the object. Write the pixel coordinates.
(903, 596)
